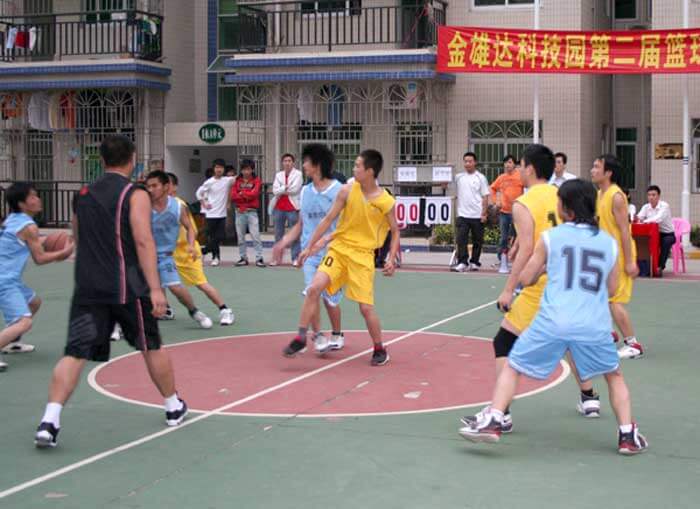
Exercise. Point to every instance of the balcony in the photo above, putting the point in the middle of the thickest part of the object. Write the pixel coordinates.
(65, 36)
(329, 25)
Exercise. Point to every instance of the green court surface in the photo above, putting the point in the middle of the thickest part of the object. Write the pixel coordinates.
(555, 459)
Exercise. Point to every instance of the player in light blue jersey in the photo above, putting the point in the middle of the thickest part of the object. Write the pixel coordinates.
(580, 261)
(19, 238)
(166, 217)
(317, 198)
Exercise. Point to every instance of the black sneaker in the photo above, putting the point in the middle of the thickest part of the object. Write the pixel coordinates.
(631, 443)
(260, 263)
(295, 347)
(176, 417)
(242, 262)
(45, 436)
(380, 357)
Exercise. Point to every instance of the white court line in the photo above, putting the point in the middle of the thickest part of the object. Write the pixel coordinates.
(130, 445)
(92, 381)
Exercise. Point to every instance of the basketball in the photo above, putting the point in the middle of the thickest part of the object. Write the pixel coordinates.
(55, 241)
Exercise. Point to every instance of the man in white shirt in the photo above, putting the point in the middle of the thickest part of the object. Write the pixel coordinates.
(285, 205)
(214, 197)
(472, 202)
(657, 211)
(560, 174)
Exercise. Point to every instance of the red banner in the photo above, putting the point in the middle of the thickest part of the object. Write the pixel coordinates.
(465, 49)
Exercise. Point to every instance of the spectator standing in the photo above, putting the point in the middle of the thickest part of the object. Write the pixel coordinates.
(504, 191)
(214, 196)
(560, 174)
(657, 211)
(285, 204)
(472, 202)
(245, 195)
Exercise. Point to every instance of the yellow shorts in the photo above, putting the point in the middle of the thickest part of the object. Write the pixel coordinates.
(353, 272)
(525, 307)
(191, 272)
(624, 289)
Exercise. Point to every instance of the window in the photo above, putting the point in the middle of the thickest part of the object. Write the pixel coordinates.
(101, 10)
(245, 103)
(414, 143)
(625, 9)
(490, 3)
(352, 7)
(626, 151)
(492, 140)
(343, 140)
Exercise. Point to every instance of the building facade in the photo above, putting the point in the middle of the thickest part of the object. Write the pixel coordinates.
(269, 77)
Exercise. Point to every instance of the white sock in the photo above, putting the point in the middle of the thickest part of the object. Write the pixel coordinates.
(172, 403)
(631, 340)
(626, 428)
(497, 414)
(52, 414)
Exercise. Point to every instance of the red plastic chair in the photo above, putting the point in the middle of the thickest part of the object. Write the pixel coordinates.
(680, 227)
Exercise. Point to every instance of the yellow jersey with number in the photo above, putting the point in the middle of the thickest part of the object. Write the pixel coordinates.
(363, 225)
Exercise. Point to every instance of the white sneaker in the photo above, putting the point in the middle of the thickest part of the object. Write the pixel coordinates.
(215, 262)
(3, 365)
(203, 320)
(504, 269)
(589, 406)
(116, 333)
(295, 263)
(18, 347)
(337, 342)
(473, 420)
(460, 267)
(226, 317)
(631, 351)
(321, 342)
(473, 267)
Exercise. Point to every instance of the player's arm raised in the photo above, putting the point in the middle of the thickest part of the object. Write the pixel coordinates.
(30, 235)
(189, 229)
(338, 205)
(536, 266)
(623, 223)
(390, 265)
(140, 221)
(525, 226)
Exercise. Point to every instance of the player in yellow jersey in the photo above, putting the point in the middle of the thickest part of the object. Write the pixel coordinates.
(533, 213)
(614, 220)
(191, 270)
(367, 215)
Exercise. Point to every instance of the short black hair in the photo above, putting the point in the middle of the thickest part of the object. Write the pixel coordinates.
(248, 163)
(612, 164)
(507, 158)
(562, 155)
(320, 155)
(372, 159)
(219, 162)
(541, 158)
(472, 154)
(16, 194)
(160, 175)
(173, 179)
(654, 188)
(117, 150)
(579, 197)
(284, 156)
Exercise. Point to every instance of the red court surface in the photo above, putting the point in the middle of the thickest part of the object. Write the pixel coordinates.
(427, 372)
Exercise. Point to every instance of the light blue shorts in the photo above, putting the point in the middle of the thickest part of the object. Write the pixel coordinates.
(167, 270)
(14, 301)
(537, 352)
(310, 268)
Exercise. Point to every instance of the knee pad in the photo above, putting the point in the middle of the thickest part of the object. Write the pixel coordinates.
(503, 342)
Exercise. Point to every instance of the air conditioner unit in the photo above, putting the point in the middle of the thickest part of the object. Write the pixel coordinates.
(401, 96)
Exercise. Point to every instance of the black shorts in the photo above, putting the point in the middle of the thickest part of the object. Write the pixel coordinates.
(90, 327)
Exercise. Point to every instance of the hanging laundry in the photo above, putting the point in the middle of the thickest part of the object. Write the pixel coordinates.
(38, 111)
(32, 38)
(11, 105)
(305, 104)
(22, 39)
(11, 38)
(67, 108)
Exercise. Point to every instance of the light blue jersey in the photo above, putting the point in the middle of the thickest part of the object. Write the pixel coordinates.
(14, 252)
(574, 314)
(314, 207)
(166, 227)
(575, 300)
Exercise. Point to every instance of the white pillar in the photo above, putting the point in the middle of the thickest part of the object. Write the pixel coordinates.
(536, 98)
(685, 196)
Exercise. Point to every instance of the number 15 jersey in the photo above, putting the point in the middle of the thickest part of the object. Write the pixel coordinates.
(575, 302)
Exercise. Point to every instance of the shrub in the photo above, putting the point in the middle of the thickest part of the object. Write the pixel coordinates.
(695, 236)
(443, 235)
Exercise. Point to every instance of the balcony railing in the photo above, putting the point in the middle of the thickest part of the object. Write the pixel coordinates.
(47, 37)
(326, 25)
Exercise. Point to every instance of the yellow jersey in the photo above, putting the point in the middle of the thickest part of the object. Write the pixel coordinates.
(607, 223)
(363, 224)
(180, 255)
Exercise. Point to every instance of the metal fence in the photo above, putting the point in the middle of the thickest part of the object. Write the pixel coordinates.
(56, 199)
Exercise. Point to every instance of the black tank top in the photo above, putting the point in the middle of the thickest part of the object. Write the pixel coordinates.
(107, 269)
